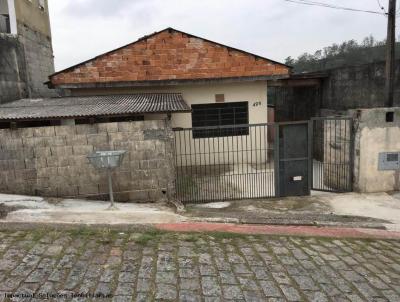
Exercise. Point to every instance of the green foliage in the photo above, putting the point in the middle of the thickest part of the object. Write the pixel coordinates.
(336, 55)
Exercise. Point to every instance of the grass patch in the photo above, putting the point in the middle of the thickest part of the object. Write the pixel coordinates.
(152, 236)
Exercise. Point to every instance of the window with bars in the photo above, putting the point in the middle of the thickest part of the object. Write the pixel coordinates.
(220, 114)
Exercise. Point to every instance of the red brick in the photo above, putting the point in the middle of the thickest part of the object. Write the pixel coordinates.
(169, 56)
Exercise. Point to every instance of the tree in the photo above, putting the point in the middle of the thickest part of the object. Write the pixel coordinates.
(347, 53)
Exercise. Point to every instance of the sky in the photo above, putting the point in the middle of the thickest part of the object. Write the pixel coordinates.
(276, 29)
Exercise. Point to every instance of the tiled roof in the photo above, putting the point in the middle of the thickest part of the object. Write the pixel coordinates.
(87, 106)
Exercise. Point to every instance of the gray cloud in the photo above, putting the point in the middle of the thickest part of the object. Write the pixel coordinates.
(82, 29)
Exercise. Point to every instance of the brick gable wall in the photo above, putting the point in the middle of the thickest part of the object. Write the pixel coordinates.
(169, 55)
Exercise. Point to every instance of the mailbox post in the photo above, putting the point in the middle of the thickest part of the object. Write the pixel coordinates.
(107, 160)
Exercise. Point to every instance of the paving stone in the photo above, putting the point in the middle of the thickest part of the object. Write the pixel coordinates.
(127, 277)
(143, 285)
(189, 296)
(248, 284)
(125, 289)
(166, 277)
(166, 292)
(305, 283)
(270, 289)
(209, 269)
(210, 286)
(290, 293)
(232, 292)
(316, 296)
(189, 284)
(253, 296)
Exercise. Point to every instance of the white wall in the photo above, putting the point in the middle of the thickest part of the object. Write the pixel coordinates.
(215, 150)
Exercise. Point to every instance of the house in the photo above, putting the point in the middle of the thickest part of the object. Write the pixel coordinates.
(212, 78)
(26, 54)
(130, 98)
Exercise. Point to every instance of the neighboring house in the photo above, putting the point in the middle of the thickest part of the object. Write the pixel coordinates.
(26, 54)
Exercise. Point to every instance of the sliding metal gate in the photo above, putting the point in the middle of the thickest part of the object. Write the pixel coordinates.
(332, 154)
(225, 163)
(263, 160)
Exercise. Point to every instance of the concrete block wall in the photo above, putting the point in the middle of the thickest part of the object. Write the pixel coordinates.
(372, 136)
(52, 161)
(39, 60)
(13, 76)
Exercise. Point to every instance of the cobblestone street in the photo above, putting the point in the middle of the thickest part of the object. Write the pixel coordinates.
(111, 266)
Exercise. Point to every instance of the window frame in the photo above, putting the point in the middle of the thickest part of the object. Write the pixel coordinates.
(219, 127)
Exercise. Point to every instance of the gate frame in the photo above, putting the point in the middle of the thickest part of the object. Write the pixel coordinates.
(351, 150)
(277, 157)
(276, 151)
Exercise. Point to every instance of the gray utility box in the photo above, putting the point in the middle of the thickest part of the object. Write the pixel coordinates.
(389, 161)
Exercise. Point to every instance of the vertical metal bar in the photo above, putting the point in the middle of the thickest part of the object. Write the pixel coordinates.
(277, 160)
(310, 155)
(351, 155)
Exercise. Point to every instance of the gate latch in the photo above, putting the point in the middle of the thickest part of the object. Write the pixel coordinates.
(297, 178)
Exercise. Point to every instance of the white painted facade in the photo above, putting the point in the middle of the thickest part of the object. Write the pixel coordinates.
(255, 93)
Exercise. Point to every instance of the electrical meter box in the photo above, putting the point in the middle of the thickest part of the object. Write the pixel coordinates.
(389, 161)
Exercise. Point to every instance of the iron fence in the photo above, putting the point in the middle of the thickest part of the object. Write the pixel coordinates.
(225, 162)
(332, 154)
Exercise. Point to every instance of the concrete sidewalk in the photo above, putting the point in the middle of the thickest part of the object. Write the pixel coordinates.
(321, 208)
(380, 210)
(28, 209)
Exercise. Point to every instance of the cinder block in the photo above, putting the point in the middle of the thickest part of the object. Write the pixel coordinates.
(88, 189)
(145, 146)
(28, 152)
(42, 152)
(156, 195)
(61, 151)
(67, 191)
(25, 174)
(43, 131)
(97, 140)
(6, 165)
(139, 196)
(124, 127)
(14, 144)
(74, 140)
(47, 172)
(18, 164)
(120, 197)
(58, 141)
(86, 129)
(82, 150)
(65, 130)
(107, 127)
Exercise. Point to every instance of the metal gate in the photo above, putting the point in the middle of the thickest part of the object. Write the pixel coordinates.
(263, 160)
(225, 162)
(294, 160)
(332, 154)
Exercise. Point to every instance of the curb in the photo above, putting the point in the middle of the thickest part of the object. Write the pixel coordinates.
(312, 231)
